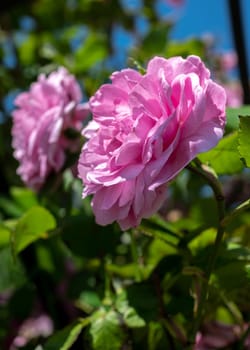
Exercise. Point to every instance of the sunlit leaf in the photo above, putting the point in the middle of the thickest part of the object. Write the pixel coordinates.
(244, 140)
(233, 116)
(24, 197)
(27, 49)
(125, 271)
(65, 338)
(5, 233)
(130, 316)
(88, 301)
(105, 330)
(224, 158)
(185, 48)
(204, 239)
(34, 224)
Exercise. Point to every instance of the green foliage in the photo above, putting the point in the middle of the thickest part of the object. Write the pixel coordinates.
(224, 158)
(244, 142)
(5, 233)
(102, 288)
(34, 224)
(106, 330)
(12, 275)
(64, 339)
(157, 339)
(233, 117)
(156, 39)
(184, 48)
(94, 50)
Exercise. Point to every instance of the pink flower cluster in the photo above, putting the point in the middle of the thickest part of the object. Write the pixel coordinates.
(44, 114)
(145, 130)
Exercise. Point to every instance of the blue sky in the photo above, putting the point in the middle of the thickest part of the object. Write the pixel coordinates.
(195, 18)
(199, 17)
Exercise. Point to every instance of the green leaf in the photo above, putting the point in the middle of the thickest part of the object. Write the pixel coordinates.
(244, 140)
(125, 271)
(204, 212)
(155, 41)
(24, 197)
(130, 316)
(224, 158)
(93, 50)
(27, 49)
(142, 297)
(206, 238)
(33, 225)
(12, 274)
(158, 228)
(185, 48)
(232, 117)
(88, 301)
(157, 337)
(5, 233)
(65, 338)
(95, 241)
(106, 331)
(247, 270)
(231, 267)
(10, 207)
(132, 319)
(232, 276)
(224, 315)
(156, 251)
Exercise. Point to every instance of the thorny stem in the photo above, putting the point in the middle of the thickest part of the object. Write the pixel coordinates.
(211, 178)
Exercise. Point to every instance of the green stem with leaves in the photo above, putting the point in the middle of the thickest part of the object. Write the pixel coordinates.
(210, 177)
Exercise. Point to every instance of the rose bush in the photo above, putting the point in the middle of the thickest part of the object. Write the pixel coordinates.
(44, 114)
(145, 130)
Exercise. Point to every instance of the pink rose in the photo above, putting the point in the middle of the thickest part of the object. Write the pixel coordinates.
(145, 130)
(46, 113)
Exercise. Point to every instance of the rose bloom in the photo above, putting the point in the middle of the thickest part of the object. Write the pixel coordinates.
(45, 114)
(145, 130)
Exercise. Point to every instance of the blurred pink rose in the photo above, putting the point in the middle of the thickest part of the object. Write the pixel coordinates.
(31, 328)
(234, 94)
(50, 108)
(228, 60)
(145, 130)
(216, 335)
